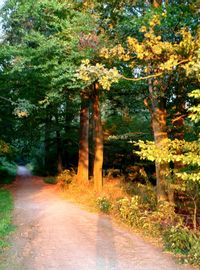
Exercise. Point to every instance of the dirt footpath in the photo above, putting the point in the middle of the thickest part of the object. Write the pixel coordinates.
(54, 234)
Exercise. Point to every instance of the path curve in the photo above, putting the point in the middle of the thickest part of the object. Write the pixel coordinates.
(54, 234)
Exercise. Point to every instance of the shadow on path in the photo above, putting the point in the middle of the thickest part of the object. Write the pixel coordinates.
(106, 257)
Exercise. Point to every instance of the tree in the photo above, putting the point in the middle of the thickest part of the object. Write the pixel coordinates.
(154, 59)
(42, 43)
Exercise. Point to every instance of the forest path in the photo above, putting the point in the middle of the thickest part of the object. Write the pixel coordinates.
(55, 234)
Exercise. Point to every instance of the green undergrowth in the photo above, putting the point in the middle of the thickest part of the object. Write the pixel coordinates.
(8, 171)
(6, 207)
(135, 204)
(180, 240)
(50, 180)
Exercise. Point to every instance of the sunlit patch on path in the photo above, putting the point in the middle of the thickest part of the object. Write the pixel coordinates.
(23, 171)
(54, 234)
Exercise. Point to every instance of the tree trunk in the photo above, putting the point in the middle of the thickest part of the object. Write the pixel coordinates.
(92, 139)
(160, 138)
(156, 3)
(46, 144)
(59, 149)
(158, 115)
(195, 215)
(98, 143)
(83, 162)
(59, 164)
(178, 119)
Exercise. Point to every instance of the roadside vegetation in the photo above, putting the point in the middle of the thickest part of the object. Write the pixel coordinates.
(8, 168)
(6, 207)
(8, 171)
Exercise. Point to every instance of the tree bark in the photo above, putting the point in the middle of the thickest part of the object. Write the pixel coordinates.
(160, 138)
(156, 3)
(83, 162)
(195, 215)
(159, 115)
(178, 119)
(46, 144)
(92, 138)
(59, 149)
(98, 142)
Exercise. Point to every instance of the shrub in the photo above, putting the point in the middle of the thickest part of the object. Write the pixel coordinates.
(50, 180)
(181, 240)
(8, 171)
(65, 178)
(103, 204)
(165, 215)
(177, 239)
(129, 210)
(146, 192)
(139, 215)
(194, 253)
(112, 189)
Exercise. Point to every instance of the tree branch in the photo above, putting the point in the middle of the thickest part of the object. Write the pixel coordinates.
(142, 78)
(152, 75)
(9, 100)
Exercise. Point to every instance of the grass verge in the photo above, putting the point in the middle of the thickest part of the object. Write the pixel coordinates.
(6, 207)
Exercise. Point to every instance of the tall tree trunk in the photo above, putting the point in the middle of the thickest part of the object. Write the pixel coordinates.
(158, 115)
(83, 162)
(59, 149)
(160, 138)
(98, 142)
(178, 119)
(46, 144)
(60, 165)
(92, 138)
